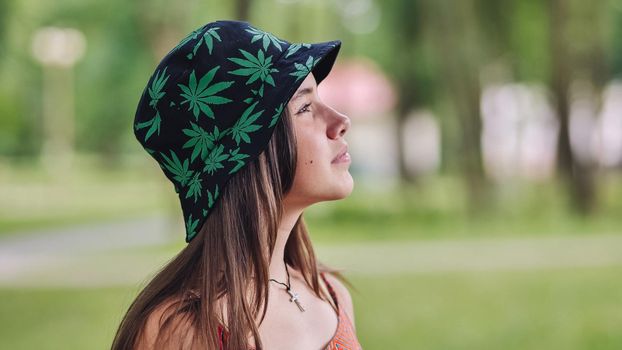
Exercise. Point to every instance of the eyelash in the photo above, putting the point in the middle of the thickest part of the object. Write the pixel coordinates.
(304, 107)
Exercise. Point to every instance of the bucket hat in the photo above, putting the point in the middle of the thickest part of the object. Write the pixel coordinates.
(212, 103)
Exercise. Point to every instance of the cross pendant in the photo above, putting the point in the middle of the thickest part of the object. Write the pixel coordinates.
(295, 299)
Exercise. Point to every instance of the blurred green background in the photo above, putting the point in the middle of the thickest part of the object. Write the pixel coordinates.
(486, 142)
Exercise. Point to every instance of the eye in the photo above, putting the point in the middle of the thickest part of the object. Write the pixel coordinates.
(305, 108)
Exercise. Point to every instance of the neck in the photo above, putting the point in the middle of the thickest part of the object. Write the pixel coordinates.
(277, 262)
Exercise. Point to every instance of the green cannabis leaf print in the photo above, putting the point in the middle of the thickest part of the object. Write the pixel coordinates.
(210, 198)
(302, 70)
(201, 140)
(155, 91)
(214, 160)
(255, 93)
(277, 112)
(265, 37)
(208, 37)
(194, 187)
(200, 96)
(174, 165)
(234, 156)
(244, 125)
(292, 49)
(255, 67)
(154, 123)
(189, 37)
(191, 226)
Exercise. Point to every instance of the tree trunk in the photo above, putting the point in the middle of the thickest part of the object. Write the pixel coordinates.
(242, 8)
(577, 175)
(403, 108)
(457, 40)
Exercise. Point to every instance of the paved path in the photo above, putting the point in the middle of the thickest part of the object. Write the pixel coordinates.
(89, 237)
(37, 254)
(105, 255)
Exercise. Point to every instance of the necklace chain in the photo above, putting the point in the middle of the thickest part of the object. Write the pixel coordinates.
(294, 296)
(288, 285)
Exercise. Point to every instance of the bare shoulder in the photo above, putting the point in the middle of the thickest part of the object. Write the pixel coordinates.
(343, 295)
(178, 329)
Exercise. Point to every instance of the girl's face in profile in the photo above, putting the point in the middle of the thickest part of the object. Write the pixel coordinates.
(321, 173)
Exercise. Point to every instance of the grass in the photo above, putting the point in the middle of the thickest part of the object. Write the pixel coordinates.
(34, 199)
(438, 208)
(60, 318)
(553, 309)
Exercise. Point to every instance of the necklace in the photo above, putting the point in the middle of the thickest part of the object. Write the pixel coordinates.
(289, 290)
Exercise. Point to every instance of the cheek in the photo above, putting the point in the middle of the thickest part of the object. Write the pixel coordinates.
(310, 153)
(306, 153)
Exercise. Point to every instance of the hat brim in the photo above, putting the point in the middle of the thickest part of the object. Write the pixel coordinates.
(322, 56)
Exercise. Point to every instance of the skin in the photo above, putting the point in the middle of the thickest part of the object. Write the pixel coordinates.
(320, 132)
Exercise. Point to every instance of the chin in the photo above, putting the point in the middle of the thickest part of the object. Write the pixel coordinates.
(314, 192)
(344, 189)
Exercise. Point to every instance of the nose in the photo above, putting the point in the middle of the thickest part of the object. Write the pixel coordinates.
(338, 123)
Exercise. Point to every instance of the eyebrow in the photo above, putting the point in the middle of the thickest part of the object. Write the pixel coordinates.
(304, 91)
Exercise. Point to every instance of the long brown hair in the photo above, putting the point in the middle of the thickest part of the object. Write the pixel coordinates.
(232, 249)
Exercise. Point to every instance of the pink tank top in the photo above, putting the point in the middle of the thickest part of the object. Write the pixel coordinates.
(344, 338)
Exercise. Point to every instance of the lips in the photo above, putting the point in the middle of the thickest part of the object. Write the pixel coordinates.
(343, 151)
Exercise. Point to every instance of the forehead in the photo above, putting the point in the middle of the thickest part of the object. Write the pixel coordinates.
(309, 82)
(307, 87)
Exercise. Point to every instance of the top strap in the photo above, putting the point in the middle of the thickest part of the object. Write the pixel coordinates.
(330, 290)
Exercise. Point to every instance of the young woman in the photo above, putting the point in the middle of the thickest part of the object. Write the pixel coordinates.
(233, 118)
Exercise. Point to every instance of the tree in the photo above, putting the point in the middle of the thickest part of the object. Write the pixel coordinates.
(459, 50)
(242, 8)
(582, 60)
(409, 67)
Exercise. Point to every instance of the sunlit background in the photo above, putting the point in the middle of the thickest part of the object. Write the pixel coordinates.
(486, 142)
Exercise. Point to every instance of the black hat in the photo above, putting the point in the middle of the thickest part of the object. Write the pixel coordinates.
(212, 104)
